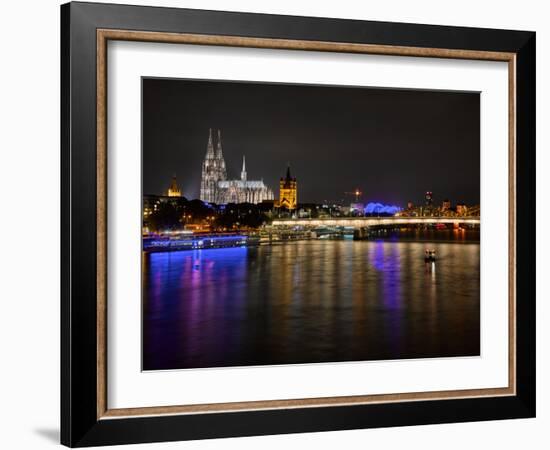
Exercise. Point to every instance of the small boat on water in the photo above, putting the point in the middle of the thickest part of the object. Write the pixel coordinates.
(429, 255)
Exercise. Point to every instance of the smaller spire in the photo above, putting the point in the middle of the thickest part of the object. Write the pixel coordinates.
(173, 189)
(288, 172)
(243, 172)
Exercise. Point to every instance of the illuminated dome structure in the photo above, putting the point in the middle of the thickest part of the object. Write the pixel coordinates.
(379, 208)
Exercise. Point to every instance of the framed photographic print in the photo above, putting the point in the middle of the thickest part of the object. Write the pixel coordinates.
(276, 224)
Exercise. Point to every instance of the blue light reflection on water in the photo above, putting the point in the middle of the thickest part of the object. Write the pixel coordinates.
(308, 301)
(189, 299)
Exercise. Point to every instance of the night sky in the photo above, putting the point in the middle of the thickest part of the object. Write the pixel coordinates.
(392, 144)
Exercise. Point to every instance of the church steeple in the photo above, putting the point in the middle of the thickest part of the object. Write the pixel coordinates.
(243, 172)
(219, 154)
(288, 177)
(210, 146)
(219, 158)
(173, 189)
(288, 191)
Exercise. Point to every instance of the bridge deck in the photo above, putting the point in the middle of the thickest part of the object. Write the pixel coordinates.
(360, 222)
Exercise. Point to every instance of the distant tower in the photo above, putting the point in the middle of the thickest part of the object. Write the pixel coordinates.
(243, 172)
(446, 205)
(213, 170)
(288, 191)
(174, 190)
(429, 198)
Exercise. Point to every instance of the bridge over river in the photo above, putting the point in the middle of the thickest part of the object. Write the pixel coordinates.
(365, 222)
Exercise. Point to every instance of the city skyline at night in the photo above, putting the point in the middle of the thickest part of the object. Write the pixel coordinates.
(336, 139)
(293, 224)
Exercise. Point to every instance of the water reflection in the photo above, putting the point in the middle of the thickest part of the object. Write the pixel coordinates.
(307, 302)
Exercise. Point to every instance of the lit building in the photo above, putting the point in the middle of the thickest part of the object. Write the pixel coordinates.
(357, 209)
(461, 209)
(288, 191)
(429, 198)
(446, 205)
(216, 188)
(213, 170)
(379, 208)
(410, 205)
(151, 203)
(173, 190)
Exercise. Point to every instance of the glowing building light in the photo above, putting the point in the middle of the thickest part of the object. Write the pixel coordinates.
(379, 208)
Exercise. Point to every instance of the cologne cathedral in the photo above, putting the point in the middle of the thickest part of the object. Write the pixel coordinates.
(216, 188)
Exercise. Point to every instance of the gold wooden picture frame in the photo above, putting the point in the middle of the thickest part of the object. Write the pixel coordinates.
(105, 35)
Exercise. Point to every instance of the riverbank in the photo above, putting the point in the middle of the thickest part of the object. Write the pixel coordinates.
(179, 242)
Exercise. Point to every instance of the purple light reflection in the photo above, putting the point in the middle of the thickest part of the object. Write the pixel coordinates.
(195, 287)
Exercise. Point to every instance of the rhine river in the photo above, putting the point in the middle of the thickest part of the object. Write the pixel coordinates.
(308, 302)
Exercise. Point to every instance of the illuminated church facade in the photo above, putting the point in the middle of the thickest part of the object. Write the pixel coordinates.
(288, 191)
(173, 189)
(217, 188)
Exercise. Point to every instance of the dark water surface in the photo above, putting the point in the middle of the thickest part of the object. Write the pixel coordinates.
(309, 301)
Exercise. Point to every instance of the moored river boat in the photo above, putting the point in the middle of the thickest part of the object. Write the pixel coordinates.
(196, 241)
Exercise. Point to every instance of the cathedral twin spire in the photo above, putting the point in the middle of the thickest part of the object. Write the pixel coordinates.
(213, 169)
(210, 147)
(219, 153)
